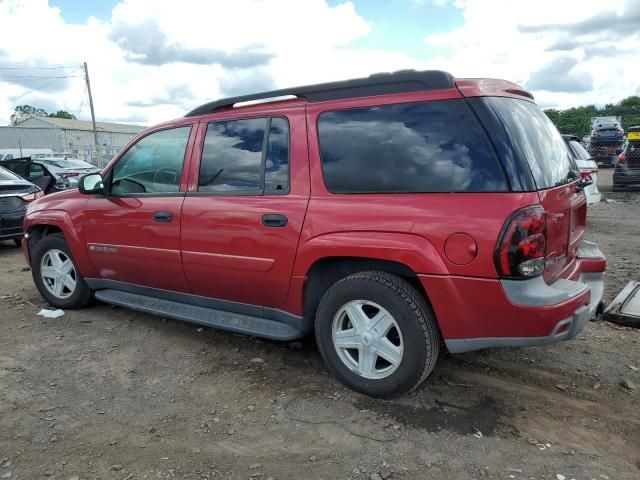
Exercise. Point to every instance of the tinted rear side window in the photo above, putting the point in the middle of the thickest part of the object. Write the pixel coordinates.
(538, 138)
(232, 156)
(241, 157)
(435, 146)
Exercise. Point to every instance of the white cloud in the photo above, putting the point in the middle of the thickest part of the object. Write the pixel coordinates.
(152, 61)
(533, 43)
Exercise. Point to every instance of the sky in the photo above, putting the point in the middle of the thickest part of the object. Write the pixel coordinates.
(153, 60)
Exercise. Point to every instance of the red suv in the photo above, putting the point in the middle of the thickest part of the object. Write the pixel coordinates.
(392, 215)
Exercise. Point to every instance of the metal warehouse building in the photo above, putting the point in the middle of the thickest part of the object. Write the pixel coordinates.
(72, 137)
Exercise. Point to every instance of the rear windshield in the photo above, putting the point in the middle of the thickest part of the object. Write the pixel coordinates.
(68, 163)
(436, 146)
(578, 150)
(6, 175)
(538, 138)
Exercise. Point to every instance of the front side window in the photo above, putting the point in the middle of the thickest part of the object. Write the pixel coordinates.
(247, 157)
(436, 146)
(153, 165)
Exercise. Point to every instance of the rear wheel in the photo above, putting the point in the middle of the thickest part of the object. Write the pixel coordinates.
(56, 275)
(377, 334)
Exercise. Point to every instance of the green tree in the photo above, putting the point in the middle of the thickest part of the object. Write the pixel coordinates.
(63, 114)
(577, 120)
(22, 112)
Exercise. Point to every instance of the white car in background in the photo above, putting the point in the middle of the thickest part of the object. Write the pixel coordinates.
(69, 170)
(586, 165)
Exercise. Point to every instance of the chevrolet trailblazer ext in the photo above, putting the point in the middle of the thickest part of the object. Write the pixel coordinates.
(391, 215)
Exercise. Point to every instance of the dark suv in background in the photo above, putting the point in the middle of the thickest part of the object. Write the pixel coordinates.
(627, 171)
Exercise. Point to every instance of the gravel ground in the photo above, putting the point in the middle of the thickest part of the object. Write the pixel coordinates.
(114, 394)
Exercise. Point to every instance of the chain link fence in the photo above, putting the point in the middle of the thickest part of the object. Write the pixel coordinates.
(80, 144)
(611, 137)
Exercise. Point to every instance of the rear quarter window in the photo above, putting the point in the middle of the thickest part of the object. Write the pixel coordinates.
(436, 146)
(537, 137)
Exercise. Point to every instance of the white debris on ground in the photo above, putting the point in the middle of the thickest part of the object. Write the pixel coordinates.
(51, 313)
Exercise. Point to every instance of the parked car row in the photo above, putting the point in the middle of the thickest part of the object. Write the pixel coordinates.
(50, 174)
(15, 194)
(23, 180)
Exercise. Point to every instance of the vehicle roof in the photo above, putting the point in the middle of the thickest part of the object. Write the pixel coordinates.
(402, 81)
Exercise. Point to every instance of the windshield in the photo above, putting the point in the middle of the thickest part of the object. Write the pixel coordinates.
(68, 163)
(539, 140)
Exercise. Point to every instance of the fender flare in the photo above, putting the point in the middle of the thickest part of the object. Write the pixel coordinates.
(411, 250)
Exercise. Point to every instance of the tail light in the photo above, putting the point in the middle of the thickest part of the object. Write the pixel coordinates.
(587, 173)
(622, 158)
(31, 196)
(521, 247)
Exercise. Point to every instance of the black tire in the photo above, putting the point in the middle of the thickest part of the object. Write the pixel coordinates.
(81, 296)
(618, 188)
(18, 242)
(411, 313)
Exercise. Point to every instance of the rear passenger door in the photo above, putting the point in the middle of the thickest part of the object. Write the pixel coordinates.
(243, 213)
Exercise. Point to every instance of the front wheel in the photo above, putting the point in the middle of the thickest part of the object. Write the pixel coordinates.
(56, 275)
(377, 334)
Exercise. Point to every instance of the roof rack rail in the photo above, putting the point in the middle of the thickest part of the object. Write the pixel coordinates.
(402, 81)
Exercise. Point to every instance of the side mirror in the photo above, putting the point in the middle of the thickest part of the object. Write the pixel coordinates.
(91, 183)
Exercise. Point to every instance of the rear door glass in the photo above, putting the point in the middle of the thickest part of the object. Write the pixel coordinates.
(539, 139)
(436, 146)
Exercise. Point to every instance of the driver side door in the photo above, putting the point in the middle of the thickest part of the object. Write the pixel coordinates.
(132, 234)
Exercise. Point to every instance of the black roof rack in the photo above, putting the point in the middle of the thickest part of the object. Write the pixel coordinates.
(402, 81)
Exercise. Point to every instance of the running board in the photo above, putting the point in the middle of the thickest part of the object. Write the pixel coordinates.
(234, 322)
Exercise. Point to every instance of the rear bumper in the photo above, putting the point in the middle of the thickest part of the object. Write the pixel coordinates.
(625, 175)
(481, 313)
(11, 225)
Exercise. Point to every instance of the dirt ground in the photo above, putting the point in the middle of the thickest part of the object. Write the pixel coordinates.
(114, 394)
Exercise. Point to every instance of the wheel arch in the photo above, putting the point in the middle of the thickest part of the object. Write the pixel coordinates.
(327, 271)
(47, 222)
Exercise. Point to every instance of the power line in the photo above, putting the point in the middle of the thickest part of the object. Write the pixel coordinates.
(38, 76)
(37, 68)
(36, 89)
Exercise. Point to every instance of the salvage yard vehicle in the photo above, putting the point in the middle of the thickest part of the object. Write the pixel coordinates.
(627, 169)
(50, 174)
(15, 194)
(587, 166)
(392, 215)
(607, 140)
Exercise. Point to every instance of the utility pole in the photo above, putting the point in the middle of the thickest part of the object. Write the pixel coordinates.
(93, 116)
